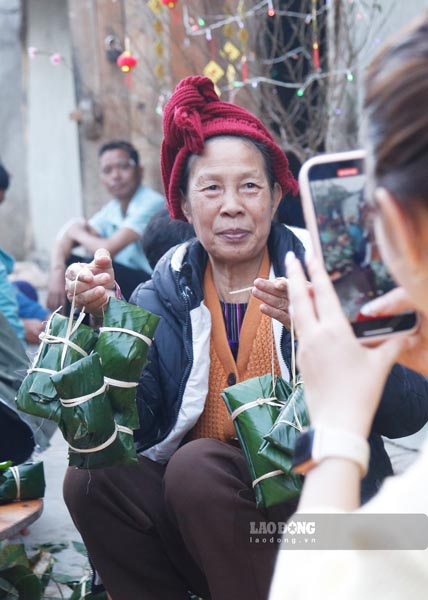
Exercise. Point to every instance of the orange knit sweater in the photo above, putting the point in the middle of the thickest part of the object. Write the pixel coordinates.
(256, 347)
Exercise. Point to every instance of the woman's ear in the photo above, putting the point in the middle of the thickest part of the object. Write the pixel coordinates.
(399, 228)
(276, 196)
(185, 208)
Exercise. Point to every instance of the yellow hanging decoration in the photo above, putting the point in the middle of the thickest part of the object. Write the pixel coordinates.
(157, 26)
(213, 71)
(228, 30)
(159, 71)
(155, 6)
(158, 49)
(230, 73)
(243, 36)
(231, 51)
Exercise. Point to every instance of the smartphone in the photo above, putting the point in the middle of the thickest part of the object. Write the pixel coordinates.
(337, 215)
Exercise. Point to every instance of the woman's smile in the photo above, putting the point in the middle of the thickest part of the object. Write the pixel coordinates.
(234, 235)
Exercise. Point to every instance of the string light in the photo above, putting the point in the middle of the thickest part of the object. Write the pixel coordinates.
(254, 11)
(200, 26)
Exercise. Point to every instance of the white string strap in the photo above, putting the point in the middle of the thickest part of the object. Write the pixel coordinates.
(145, 339)
(40, 348)
(48, 338)
(16, 476)
(297, 426)
(71, 325)
(71, 402)
(267, 476)
(41, 370)
(293, 356)
(120, 384)
(253, 404)
(124, 429)
(105, 444)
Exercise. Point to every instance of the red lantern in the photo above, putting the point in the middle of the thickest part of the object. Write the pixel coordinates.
(126, 61)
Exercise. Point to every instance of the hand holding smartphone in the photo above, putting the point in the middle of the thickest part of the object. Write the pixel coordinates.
(338, 218)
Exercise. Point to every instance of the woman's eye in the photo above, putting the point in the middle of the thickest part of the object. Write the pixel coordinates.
(250, 185)
(212, 188)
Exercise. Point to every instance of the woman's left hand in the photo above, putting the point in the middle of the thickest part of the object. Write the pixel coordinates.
(343, 379)
(274, 297)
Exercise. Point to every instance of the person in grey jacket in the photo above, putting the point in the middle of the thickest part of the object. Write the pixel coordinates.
(180, 520)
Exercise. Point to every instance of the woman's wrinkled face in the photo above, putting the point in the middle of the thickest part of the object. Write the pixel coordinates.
(229, 201)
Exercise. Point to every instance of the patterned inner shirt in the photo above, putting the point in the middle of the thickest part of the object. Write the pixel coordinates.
(233, 316)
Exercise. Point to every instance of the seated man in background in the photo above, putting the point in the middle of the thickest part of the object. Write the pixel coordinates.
(118, 226)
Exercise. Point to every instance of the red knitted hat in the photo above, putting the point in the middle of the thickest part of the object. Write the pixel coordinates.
(195, 113)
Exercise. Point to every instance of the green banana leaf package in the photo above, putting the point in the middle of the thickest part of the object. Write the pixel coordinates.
(63, 343)
(254, 405)
(291, 421)
(278, 444)
(123, 344)
(23, 482)
(87, 418)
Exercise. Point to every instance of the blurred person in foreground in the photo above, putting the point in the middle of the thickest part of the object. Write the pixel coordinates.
(344, 379)
(118, 226)
(180, 520)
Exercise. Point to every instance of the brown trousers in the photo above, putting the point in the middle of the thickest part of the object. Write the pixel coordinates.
(154, 532)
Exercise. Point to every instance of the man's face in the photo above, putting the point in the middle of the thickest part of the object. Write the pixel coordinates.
(120, 175)
(2, 195)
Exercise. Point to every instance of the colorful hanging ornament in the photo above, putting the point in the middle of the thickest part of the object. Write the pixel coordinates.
(157, 27)
(244, 67)
(158, 49)
(55, 59)
(213, 70)
(127, 61)
(315, 45)
(243, 36)
(230, 74)
(169, 3)
(231, 51)
(155, 6)
(32, 52)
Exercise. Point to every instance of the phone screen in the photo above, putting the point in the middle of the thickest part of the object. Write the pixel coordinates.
(348, 244)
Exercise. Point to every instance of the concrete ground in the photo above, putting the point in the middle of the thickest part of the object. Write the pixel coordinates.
(55, 525)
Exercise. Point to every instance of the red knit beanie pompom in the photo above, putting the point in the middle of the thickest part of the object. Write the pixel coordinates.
(195, 113)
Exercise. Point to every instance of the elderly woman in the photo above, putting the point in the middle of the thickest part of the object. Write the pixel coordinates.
(181, 519)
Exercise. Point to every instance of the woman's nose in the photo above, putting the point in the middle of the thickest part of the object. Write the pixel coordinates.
(231, 201)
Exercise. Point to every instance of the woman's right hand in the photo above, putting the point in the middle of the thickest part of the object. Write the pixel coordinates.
(397, 300)
(91, 284)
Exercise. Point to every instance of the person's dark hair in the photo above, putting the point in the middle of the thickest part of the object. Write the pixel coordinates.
(397, 117)
(120, 145)
(267, 158)
(4, 178)
(162, 233)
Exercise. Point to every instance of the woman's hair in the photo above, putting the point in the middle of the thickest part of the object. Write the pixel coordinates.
(396, 112)
(267, 159)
